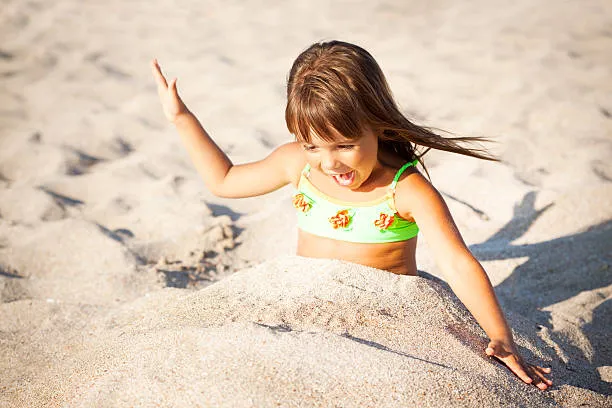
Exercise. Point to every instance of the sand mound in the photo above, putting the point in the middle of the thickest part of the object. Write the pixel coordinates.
(291, 331)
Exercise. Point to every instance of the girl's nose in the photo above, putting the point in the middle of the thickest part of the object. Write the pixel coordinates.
(328, 162)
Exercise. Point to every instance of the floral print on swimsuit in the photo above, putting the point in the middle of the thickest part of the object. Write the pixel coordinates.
(342, 219)
(302, 203)
(384, 221)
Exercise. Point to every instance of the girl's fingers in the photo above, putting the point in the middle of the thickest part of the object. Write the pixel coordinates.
(159, 77)
(530, 374)
(540, 371)
(172, 87)
(511, 362)
(537, 379)
(519, 370)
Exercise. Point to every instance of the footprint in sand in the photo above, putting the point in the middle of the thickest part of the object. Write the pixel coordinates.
(12, 284)
(25, 205)
(121, 146)
(602, 170)
(264, 138)
(115, 72)
(5, 180)
(6, 56)
(112, 71)
(119, 234)
(81, 163)
(36, 137)
(62, 200)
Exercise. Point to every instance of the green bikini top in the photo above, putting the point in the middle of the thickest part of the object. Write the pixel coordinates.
(367, 222)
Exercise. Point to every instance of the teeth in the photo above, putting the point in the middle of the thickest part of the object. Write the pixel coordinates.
(344, 179)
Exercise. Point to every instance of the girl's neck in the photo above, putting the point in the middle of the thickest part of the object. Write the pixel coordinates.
(381, 175)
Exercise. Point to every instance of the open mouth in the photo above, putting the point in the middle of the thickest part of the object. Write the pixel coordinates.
(344, 179)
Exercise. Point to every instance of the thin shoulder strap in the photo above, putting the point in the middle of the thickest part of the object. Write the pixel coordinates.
(399, 173)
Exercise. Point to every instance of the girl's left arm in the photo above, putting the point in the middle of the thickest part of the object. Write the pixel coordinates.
(463, 272)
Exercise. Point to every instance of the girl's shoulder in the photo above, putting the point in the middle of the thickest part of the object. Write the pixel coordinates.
(293, 158)
(414, 193)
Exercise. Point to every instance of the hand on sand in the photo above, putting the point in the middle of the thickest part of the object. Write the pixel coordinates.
(508, 354)
(168, 95)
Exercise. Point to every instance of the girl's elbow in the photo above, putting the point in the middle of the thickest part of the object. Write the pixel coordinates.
(218, 191)
(224, 191)
(459, 264)
(219, 195)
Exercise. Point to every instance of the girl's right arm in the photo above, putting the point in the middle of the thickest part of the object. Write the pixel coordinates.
(418, 199)
(220, 175)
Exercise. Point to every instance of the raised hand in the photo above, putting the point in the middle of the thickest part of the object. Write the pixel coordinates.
(168, 95)
(509, 356)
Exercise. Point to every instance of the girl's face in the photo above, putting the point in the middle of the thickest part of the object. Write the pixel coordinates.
(348, 162)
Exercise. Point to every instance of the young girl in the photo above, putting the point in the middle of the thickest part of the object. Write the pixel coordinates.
(359, 195)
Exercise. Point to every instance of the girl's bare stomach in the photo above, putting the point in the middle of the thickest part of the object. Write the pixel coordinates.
(396, 257)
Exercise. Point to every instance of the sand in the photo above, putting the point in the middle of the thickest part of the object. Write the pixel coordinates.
(124, 282)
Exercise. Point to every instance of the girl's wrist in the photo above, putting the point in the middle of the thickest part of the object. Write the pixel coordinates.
(182, 117)
(503, 339)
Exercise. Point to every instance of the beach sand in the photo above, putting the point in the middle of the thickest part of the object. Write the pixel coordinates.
(124, 282)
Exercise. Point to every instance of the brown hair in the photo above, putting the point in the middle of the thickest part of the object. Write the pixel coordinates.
(337, 86)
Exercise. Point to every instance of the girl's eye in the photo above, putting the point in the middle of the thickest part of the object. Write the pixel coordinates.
(345, 147)
(308, 148)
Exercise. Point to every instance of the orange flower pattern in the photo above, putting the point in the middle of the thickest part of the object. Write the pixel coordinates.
(342, 219)
(301, 203)
(384, 221)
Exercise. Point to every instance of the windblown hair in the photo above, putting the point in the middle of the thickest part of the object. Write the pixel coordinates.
(338, 88)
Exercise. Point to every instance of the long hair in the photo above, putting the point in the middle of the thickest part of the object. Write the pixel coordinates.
(337, 86)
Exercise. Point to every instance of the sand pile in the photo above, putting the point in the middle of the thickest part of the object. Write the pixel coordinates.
(293, 332)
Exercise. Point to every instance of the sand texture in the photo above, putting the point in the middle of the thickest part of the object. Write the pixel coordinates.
(124, 282)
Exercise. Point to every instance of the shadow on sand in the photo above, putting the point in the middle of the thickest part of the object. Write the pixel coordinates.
(557, 270)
